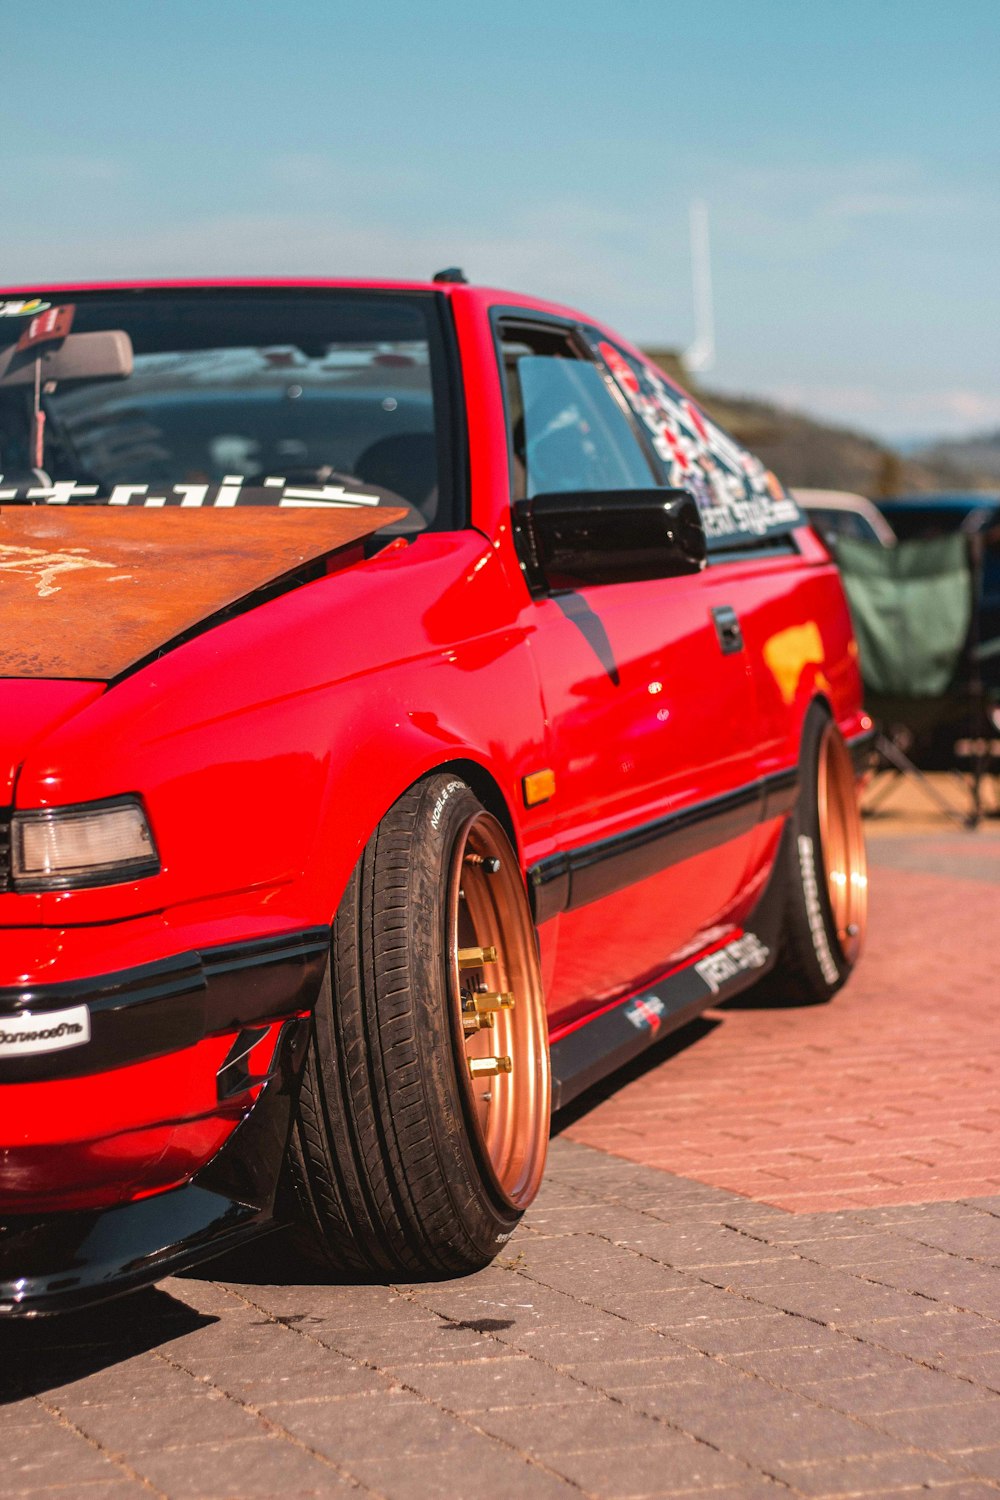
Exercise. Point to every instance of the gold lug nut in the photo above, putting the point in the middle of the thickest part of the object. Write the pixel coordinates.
(489, 1067)
(472, 1023)
(474, 958)
(486, 1002)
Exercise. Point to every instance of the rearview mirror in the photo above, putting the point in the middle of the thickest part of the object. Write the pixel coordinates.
(608, 536)
(81, 356)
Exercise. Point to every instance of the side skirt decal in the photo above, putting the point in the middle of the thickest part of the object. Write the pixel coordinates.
(616, 1036)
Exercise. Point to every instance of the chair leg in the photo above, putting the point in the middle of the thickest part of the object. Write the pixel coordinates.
(905, 767)
(890, 778)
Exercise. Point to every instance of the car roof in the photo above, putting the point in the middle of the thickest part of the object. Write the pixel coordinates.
(454, 289)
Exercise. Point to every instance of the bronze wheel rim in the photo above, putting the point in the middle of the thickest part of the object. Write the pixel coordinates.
(842, 839)
(498, 1010)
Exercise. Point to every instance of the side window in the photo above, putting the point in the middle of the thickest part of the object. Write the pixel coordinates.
(567, 430)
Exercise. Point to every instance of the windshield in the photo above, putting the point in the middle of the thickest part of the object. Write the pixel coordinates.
(258, 397)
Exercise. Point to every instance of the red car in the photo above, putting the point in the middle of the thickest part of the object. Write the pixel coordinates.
(412, 707)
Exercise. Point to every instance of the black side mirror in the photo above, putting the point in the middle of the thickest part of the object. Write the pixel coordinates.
(608, 536)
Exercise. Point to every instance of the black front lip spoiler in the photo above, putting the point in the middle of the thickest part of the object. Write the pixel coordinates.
(61, 1261)
(58, 1261)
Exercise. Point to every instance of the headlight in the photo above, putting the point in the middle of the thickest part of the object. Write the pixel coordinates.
(97, 843)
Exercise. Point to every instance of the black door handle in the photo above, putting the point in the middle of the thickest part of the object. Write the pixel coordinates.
(727, 628)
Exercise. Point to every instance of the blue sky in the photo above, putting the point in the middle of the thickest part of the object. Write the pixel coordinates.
(849, 155)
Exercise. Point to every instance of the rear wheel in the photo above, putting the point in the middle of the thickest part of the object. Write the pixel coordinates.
(826, 872)
(423, 1119)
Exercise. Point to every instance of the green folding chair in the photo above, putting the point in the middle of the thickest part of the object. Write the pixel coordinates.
(915, 618)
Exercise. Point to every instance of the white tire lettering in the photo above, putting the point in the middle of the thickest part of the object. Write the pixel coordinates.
(814, 911)
(439, 806)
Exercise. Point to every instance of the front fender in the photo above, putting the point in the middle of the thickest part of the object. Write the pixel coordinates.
(267, 750)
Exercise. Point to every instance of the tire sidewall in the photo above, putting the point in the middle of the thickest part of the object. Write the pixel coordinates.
(444, 806)
(811, 909)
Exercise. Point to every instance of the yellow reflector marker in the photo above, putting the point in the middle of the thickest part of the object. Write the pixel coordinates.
(539, 787)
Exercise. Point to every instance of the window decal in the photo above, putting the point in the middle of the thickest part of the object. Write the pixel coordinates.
(738, 498)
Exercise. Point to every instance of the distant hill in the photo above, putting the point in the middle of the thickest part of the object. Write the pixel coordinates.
(978, 455)
(802, 451)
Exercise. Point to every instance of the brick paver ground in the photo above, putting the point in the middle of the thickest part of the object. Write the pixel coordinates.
(891, 1094)
(648, 1334)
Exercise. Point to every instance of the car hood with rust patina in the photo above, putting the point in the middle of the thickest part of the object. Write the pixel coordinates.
(89, 592)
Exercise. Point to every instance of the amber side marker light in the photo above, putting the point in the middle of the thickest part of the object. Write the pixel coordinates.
(539, 786)
(95, 843)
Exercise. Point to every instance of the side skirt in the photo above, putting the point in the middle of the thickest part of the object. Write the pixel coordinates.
(617, 1034)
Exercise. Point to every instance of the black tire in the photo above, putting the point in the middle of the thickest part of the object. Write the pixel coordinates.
(822, 860)
(391, 1170)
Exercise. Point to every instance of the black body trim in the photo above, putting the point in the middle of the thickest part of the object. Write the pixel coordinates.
(566, 881)
(781, 792)
(145, 1012)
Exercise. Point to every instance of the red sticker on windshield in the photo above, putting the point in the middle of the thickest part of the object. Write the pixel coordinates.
(47, 327)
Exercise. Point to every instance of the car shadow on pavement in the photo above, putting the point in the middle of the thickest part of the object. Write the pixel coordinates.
(660, 1052)
(43, 1354)
(761, 999)
(275, 1259)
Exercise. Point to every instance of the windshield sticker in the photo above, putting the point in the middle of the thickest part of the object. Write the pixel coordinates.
(232, 491)
(48, 327)
(22, 307)
(736, 495)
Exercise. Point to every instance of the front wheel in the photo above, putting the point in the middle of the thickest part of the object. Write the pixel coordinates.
(826, 872)
(423, 1119)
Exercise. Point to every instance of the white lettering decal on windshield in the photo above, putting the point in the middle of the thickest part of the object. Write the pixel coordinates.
(326, 494)
(62, 493)
(232, 491)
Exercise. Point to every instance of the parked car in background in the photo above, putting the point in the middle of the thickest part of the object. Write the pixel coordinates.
(413, 707)
(919, 517)
(836, 513)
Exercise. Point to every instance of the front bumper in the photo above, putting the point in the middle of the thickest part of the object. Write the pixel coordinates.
(160, 1140)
